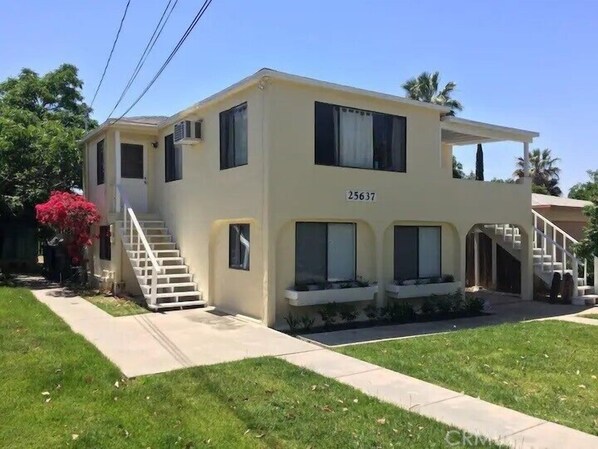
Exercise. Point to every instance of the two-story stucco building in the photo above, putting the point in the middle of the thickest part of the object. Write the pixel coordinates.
(280, 189)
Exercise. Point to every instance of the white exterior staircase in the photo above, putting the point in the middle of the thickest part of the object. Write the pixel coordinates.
(162, 274)
(553, 252)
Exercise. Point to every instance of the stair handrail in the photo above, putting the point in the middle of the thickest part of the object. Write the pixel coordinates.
(141, 238)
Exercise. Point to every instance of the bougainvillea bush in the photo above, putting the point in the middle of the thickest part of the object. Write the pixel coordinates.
(71, 216)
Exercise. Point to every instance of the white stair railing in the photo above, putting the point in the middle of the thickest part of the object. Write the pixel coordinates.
(133, 229)
(559, 245)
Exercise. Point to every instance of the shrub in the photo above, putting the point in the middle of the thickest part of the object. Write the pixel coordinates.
(428, 308)
(293, 322)
(307, 322)
(329, 313)
(401, 312)
(445, 305)
(473, 305)
(371, 311)
(458, 305)
(448, 278)
(348, 312)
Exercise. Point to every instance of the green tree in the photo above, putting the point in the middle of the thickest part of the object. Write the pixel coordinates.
(543, 171)
(426, 88)
(41, 120)
(479, 163)
(458, 172)
(586, 190)
(587, 247)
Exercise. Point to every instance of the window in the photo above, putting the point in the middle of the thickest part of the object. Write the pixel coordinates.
(173, 160)
(238, 246)
(233, 137)
(131, 161)
(324, 252)
(100, 162)
(349, 137)
(417, 252)
(105, 248)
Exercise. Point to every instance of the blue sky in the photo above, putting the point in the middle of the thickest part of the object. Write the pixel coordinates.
(527, 64)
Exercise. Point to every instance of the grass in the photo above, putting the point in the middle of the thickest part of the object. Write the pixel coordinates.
(545, 369)
(115, 306)
(594, 316)
(57, 390)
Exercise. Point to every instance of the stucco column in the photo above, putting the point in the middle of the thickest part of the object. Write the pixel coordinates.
(463, 257)
(117, 169)
(527, 263)
(381, 296)
(476, 257)
(526, 159)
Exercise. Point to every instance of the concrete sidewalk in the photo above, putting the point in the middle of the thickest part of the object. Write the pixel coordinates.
(154, 343)
(475, 416)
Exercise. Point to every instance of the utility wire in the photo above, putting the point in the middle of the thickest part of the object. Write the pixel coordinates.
(196, 19)
(148, 48)
(111, 51)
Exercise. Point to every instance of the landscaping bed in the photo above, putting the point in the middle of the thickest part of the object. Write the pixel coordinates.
(546, 369)
(114, 305)
(59, 391)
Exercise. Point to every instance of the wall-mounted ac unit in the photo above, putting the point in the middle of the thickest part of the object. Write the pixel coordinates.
(187, 131)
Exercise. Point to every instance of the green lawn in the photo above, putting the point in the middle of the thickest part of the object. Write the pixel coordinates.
(115, 306)
(589, 315)
(57, 390)
(546, 369)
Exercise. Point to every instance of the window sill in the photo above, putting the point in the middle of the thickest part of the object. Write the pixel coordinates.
(418, 291)
(315, 297)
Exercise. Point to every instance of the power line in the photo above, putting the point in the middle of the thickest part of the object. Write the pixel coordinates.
(111, 51)
(148, 48)
(196, 19)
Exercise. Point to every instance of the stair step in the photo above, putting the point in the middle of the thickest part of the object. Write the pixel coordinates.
(166, 277)
(146, 288)
(147, 271)
(552, 265)
(176, 294)
(150, 238)
(161, 245)
(170, 305)
(157, 252)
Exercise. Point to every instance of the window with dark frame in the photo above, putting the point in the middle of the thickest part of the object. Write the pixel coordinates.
(355, 138)
(238, 246)
(417, 252)
(173, 160)
(100, 162)
(325, 252)
(105, 247)
(131, 161)
(233, 137)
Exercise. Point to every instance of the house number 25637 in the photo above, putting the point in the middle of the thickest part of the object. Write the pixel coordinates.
(361, 195)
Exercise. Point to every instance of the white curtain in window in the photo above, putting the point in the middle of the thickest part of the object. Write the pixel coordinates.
(341, 251)
(356, 138)
(429, 252)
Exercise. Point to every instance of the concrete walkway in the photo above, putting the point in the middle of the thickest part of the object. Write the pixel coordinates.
(153, 343)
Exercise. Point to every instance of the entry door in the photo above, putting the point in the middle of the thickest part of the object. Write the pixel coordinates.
(133, 174)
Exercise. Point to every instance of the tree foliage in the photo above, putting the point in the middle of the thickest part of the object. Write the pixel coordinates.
(426, 88)
(458, 172)
(41, 120)
(479, 163)
(543, 170)
(587, 247)
(586, 190)
(70, 216)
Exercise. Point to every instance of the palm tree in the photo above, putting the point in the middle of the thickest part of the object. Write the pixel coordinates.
(426, 88)
(543, 171)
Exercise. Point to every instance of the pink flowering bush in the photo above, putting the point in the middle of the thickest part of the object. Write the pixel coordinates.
(71, 216)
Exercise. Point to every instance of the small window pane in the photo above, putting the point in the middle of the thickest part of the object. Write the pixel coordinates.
(405, 253)
(341, 252)
(173, 165)
(100, 162)
(310, 253)
(233, 137)
(104, 241)
(131, 160)
(239, 246)
(429, 252)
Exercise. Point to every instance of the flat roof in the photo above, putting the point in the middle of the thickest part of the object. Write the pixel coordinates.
(540, 200)
(460, 131)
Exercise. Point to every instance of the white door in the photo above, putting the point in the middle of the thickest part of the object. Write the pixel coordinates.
(133, 175)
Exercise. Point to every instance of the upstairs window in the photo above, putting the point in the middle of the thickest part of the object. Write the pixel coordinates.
(349, 137)
(100, 162)
(131, 161)
(238, 246)
(233, 137)
(173, 160)
(417, 252)
(104, 238)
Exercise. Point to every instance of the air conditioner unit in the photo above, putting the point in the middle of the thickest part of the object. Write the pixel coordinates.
(187, 131)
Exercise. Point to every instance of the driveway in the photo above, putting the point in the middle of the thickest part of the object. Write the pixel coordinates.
(158, 342)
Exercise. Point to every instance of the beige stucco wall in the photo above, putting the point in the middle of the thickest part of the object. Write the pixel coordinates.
(572, 220)
(282, 185)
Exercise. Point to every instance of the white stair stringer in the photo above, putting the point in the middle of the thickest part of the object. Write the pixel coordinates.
(548, 255)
